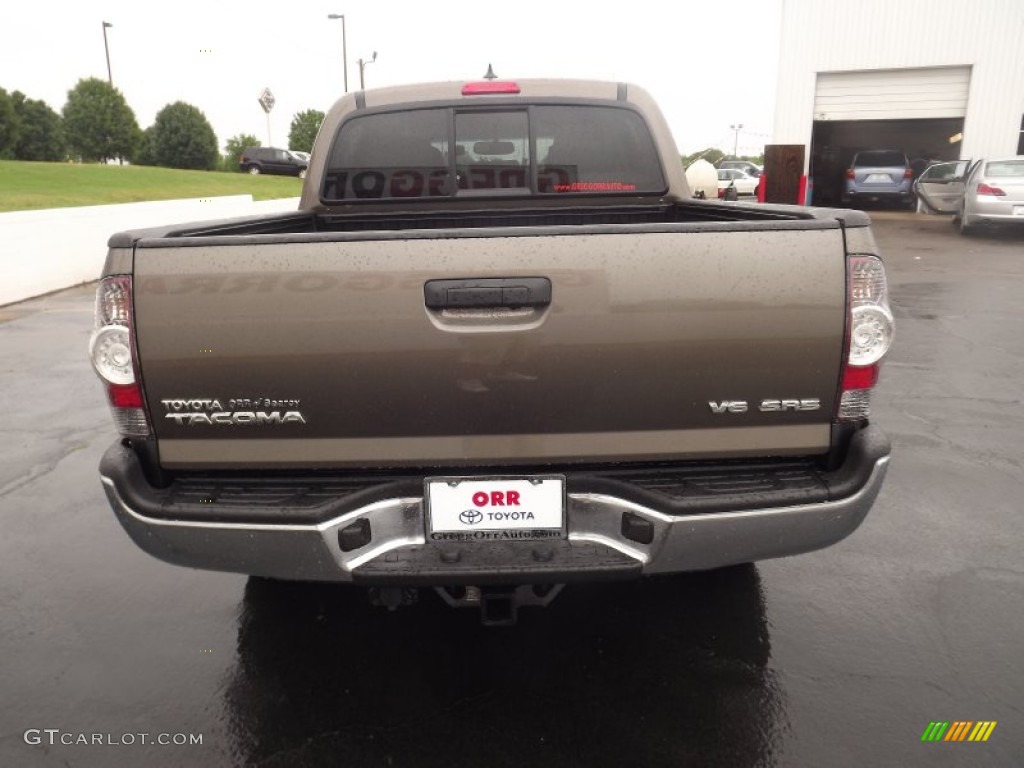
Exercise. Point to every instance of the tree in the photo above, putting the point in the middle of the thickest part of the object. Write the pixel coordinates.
(8, 126)
(41, 135)
(145, 154)
(182, 137)
(234, 148)
(304, 128)
(98, 123)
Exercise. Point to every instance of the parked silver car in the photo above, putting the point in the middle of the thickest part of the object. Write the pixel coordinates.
(978, 193)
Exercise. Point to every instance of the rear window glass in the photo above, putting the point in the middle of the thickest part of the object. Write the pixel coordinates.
(492, 150)
(456, 152)
(881, 158)
(595, 149)
(1004, 169)
(392, 155)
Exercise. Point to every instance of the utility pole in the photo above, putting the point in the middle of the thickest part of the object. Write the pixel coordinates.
(344, 45)
(362, 65)
(736, 138)
(110, 77)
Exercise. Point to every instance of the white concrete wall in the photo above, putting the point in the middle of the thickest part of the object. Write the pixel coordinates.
(44, 251)
(840, 36)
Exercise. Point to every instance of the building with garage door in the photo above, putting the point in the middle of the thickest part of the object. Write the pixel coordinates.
(937, 79)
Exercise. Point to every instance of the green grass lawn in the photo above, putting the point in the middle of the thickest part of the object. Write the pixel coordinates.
(30, 186)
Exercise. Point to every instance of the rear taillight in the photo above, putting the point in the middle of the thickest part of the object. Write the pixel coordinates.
(985, 189)
(908, 173)
(850, 174)
(112, 352)
(871, 333)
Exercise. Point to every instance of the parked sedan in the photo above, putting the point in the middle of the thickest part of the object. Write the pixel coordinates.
(731, 177)
(982, 193)
(751, 169)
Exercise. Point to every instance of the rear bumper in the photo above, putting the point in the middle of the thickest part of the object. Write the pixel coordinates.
(984, 210)
(877, 195)
(609, 535)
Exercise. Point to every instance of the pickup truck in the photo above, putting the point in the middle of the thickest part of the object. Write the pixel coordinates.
(497, 349)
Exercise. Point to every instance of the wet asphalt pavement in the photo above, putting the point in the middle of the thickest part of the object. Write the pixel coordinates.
(837, 658)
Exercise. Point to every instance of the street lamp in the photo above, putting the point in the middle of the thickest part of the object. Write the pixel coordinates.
(736, 138)
(362, 65)
(344, 47)
(110, 78)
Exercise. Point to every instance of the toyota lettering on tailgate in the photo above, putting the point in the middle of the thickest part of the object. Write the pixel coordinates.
(260, 411)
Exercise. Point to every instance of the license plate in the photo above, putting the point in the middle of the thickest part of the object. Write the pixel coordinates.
(1018, 210)
(878, 178)
(495, 508)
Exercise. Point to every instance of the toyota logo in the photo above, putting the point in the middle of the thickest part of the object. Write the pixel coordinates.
(471, 516)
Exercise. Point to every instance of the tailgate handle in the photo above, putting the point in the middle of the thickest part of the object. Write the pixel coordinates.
(487, 292)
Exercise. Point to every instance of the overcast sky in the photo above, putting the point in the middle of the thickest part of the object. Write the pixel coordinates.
(709, 64)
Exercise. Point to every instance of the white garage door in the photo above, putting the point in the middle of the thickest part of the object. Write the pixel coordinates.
(892, 94)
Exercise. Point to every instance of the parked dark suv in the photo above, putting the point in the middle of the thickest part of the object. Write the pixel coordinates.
(272, 160)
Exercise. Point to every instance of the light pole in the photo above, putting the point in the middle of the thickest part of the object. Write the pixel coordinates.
(362, 65)
(344, 46)
(736, 138)
(110, 77)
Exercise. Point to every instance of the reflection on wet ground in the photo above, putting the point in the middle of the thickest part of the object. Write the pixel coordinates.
(665, 671)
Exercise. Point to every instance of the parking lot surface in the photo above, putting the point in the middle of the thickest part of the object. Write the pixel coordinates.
(836, 658)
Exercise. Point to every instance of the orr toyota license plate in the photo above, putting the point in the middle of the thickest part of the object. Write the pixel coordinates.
(495, 508)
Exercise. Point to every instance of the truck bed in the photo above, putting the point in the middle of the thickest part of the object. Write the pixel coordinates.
(462, 217)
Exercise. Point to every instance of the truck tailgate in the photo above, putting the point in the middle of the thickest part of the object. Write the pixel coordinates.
(321, 352)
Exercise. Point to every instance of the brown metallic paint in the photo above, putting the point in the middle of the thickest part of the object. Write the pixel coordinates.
(642, 332)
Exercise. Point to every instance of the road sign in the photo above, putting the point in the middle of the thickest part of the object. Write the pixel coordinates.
(267, 100)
